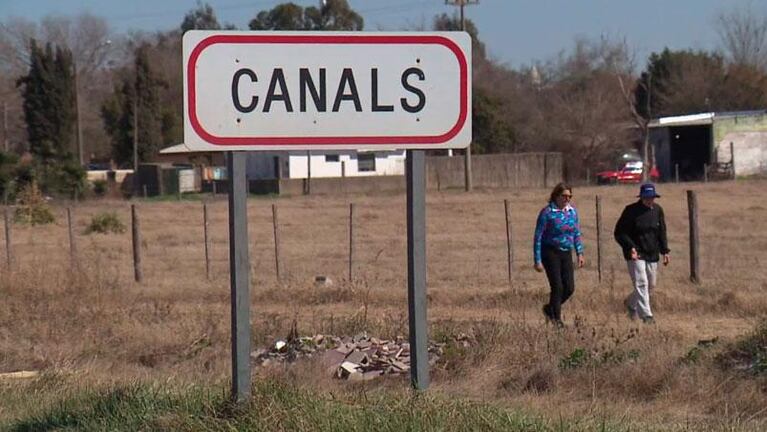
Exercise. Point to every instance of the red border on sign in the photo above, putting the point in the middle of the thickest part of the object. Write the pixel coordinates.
(326, 39)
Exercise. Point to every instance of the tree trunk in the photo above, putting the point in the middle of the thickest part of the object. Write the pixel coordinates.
(646, 154)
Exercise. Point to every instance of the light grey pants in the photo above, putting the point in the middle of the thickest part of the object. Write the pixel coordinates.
(644, 276)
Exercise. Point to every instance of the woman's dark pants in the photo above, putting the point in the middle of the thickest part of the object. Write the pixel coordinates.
(559, 271)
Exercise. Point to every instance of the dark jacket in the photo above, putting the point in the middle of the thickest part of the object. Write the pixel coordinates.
(644, 229)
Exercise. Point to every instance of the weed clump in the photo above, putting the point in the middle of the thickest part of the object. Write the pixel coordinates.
(749, 354)
(33, 209)
(105, 223)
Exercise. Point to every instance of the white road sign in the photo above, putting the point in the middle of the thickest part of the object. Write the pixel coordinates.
(326, 90)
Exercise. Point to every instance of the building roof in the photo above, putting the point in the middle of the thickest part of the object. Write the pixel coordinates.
(683, 120)
(701, 118)
(176, 149)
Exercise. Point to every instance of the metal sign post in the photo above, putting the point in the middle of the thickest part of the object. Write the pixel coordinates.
(416, 268)
(239, 267)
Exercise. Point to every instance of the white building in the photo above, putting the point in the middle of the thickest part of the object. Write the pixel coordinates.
(295, 164)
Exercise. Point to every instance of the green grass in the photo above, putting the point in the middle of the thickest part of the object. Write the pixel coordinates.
(277, 406)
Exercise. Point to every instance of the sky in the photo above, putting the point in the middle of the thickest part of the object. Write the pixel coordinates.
(516, 32)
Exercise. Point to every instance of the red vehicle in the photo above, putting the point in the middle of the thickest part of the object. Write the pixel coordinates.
(630, 173)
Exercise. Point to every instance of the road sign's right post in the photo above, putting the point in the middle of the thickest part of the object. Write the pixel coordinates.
(416, 268)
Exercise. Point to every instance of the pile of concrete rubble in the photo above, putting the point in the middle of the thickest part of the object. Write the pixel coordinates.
(358, 358)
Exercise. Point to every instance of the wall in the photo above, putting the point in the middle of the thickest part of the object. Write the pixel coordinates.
(517, 170)
(749, 137)
(750, 150)
(521, 170)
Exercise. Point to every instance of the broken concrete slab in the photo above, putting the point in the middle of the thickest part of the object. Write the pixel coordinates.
(358, 357)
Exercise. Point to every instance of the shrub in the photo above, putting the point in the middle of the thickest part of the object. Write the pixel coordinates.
(748, 354)
(32, 207)
(100, 187)
(575, 359)
(105, 223)
(66, 177)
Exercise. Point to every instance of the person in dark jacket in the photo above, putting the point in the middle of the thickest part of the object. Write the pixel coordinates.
(557, 233)
(641, 233)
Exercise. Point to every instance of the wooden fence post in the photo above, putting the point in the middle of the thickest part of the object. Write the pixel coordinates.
(136, 231)
(509, 245)
(276, 242)
(732, 159)
(692, 206)
(206, 239)
(599, 237)
(351, 241)
(72, 246)
(8, 249)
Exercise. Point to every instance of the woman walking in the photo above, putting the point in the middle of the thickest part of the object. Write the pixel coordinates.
(557, 233)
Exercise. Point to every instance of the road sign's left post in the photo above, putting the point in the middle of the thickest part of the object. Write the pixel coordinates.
(239, 276)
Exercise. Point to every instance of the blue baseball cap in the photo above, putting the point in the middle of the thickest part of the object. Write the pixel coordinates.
(647, 190)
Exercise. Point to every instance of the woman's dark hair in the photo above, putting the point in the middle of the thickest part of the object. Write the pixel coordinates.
(558, 189)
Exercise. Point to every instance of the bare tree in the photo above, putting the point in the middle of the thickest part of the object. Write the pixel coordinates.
(743, 34)
(642, 122)
(15, 34)
(583, 105)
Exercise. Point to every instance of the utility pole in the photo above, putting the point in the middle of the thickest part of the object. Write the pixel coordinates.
(467, 155)
(78, 124)
(5, 126)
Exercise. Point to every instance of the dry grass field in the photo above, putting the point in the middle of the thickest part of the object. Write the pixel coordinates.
(96, 326)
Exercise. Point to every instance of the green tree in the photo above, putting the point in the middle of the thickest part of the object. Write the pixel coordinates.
(491, 132)
(48, 93)
(685, 82)
(138, 94)
(333, 15)
(201, 18)
(285, 16)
